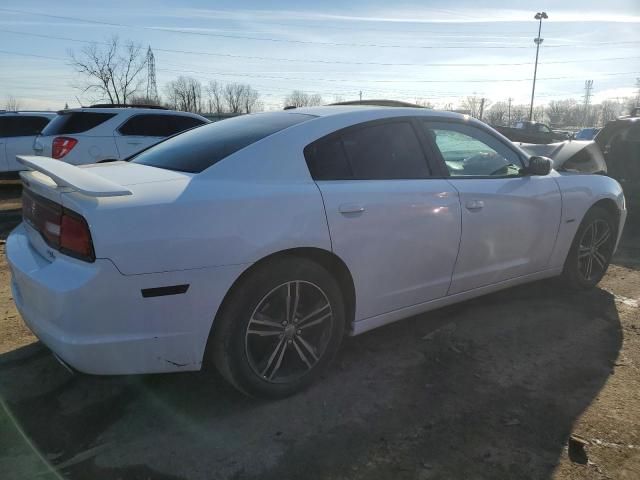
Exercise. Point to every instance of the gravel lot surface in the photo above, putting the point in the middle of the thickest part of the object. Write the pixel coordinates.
(492, 388)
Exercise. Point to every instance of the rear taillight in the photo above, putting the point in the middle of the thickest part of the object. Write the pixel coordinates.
(61, 146)
(61, 229)
(75, 238)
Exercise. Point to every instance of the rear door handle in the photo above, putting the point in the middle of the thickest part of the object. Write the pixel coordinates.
(475, 205)
(351, 208)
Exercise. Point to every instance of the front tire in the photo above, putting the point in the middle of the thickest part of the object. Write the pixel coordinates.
(591, 250)
(280, 328)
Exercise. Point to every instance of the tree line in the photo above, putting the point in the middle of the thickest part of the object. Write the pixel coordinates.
(559, 113)
(115, 72)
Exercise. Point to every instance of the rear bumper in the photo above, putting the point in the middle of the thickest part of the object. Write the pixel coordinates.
(97, 321)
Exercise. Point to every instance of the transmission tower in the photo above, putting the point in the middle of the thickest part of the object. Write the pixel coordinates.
(152, 87)
(588, 86)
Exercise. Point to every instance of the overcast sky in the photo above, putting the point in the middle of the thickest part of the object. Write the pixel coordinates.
(431, 50)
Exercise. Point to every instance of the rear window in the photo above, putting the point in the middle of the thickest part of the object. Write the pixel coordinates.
(75, 122)
(198, 149)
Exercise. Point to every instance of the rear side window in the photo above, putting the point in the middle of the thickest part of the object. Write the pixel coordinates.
(76, 122)
(383, 151)
(198, 149)
(157, 125)
(182, 123)
(22, 126)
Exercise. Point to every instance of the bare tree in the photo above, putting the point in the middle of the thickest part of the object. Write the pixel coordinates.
(240, 98)
(249, 99)
(12, 104)
(185, 93)
(424, 103)
(472, 103)
(233, 96)
(215, 100)
(298, 98)
(144, 100)
(497, 113)
(110, 71)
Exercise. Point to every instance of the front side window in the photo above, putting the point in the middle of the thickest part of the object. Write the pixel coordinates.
(382, 151)
(468, 151)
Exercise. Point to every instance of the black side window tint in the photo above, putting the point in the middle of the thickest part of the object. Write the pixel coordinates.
(327, 161)
(180, 124)
(8, 126)
(75, 122)
(384, 152)
(148, 126)
(28, 126)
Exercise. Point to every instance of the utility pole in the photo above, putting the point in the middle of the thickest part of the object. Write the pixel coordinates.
(509, 114)
(481, 108)
(588, 86)
(538, 40)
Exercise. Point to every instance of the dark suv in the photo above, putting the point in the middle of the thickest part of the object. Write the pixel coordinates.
(619, 140)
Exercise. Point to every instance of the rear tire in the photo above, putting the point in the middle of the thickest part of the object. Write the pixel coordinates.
(279, 328)
(591, 250)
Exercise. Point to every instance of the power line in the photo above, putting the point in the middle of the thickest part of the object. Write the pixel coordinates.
(343, 80)
(320, 61)
(306, 42)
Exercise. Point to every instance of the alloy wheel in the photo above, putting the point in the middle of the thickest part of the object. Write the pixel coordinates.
(288, 331)
(595, 249)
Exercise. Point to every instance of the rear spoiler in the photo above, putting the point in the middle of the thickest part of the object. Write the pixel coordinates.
(79, 179)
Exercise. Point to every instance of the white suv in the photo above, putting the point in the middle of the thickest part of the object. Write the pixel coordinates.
(17, 131)
(104, 132)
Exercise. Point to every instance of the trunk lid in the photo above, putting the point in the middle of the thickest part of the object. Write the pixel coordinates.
(88, 190)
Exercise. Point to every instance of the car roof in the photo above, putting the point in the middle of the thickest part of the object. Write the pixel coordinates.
(130, 111)
(333, 110)
(28, 112)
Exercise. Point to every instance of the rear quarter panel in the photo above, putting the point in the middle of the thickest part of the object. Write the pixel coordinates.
(178, 225)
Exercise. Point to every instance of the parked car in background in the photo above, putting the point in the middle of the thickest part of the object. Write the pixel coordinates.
(17, 132)
(620, 142)
(586, 134)
(576, 156)
(107, 132)
(531, 132)
(257, 242)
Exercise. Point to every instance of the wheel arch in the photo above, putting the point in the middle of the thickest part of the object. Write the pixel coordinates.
(610, 206)
(327, 259)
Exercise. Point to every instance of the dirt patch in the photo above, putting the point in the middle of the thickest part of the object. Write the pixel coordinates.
(491, 388)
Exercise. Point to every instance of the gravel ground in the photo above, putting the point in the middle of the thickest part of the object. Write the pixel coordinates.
(491, 388)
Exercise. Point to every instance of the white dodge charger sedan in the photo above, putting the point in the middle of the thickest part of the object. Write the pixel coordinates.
(256, 243)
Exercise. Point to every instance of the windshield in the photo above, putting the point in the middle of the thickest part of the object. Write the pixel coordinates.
(200, 148)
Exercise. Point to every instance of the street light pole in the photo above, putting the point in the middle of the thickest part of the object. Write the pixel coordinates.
(539, 16)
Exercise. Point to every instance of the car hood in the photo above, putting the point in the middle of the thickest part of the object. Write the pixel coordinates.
(570, 155)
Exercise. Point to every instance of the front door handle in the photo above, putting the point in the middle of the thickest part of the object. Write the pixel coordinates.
(346, 208)
(475, 205)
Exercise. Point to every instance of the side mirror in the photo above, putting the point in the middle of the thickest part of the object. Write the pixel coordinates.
(539, 166)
